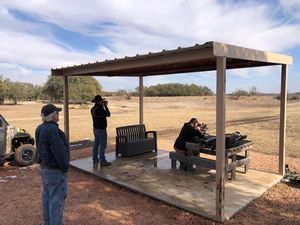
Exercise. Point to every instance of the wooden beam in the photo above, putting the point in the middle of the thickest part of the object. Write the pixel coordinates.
(236, 52)
(220, 139)
(141, 99)
(282, 128)
(66, 107)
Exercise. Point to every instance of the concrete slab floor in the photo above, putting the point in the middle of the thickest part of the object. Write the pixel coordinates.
(151, 175)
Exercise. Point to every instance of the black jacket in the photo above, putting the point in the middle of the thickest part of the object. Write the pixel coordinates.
(99, 115)
(53, 147)
(187, 133)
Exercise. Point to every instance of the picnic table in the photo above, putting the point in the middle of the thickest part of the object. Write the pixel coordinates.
(237, 156)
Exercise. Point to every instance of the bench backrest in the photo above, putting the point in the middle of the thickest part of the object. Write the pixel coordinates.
(132, 132)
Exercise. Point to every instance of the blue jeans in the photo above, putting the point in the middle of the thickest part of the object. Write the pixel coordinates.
(54, 195)
(100, 144)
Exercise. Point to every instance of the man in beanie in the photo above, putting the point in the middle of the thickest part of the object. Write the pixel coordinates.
(99, 113)
(54, 157)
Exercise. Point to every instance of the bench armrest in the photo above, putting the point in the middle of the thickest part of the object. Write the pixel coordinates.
(154, 133)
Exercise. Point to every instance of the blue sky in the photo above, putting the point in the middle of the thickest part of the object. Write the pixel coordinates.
(37, 35)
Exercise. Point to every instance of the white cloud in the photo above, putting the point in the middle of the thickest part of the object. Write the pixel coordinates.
(128, 27)
(36, 51)
(256, 72)
(118, 83)
(184, 23)
(291, 7)
(23, 74)
(143, 25)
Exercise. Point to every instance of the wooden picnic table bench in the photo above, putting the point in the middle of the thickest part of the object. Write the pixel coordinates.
(232, 157)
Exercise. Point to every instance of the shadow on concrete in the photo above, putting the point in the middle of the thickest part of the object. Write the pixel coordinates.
(150, 174)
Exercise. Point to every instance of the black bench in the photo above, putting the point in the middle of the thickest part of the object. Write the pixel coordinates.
(232, 157)
(134, 139)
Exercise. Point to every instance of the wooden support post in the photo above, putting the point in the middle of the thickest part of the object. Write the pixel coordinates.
(141, 99)
(66, 107)
(220, 141)
(233, 172)
(246, 166)
(282, 128)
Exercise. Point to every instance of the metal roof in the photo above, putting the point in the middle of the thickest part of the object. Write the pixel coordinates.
(180, 60)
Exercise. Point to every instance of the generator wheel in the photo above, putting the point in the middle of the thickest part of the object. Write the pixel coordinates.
(25, 155)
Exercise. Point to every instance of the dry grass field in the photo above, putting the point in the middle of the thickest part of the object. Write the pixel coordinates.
(94, 201)
(257, 116)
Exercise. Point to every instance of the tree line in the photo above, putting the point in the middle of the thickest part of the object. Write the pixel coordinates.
(83, 89)
(177, 89)
(14, 91)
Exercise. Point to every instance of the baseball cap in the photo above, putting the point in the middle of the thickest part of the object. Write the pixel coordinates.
(49, 108)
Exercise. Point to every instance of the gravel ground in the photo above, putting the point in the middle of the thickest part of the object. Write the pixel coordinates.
(94, 201)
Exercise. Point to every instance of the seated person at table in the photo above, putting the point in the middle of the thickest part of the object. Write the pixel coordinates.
(190, 130)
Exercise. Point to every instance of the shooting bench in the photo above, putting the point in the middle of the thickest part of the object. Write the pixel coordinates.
(134, 139)
(232, 157)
